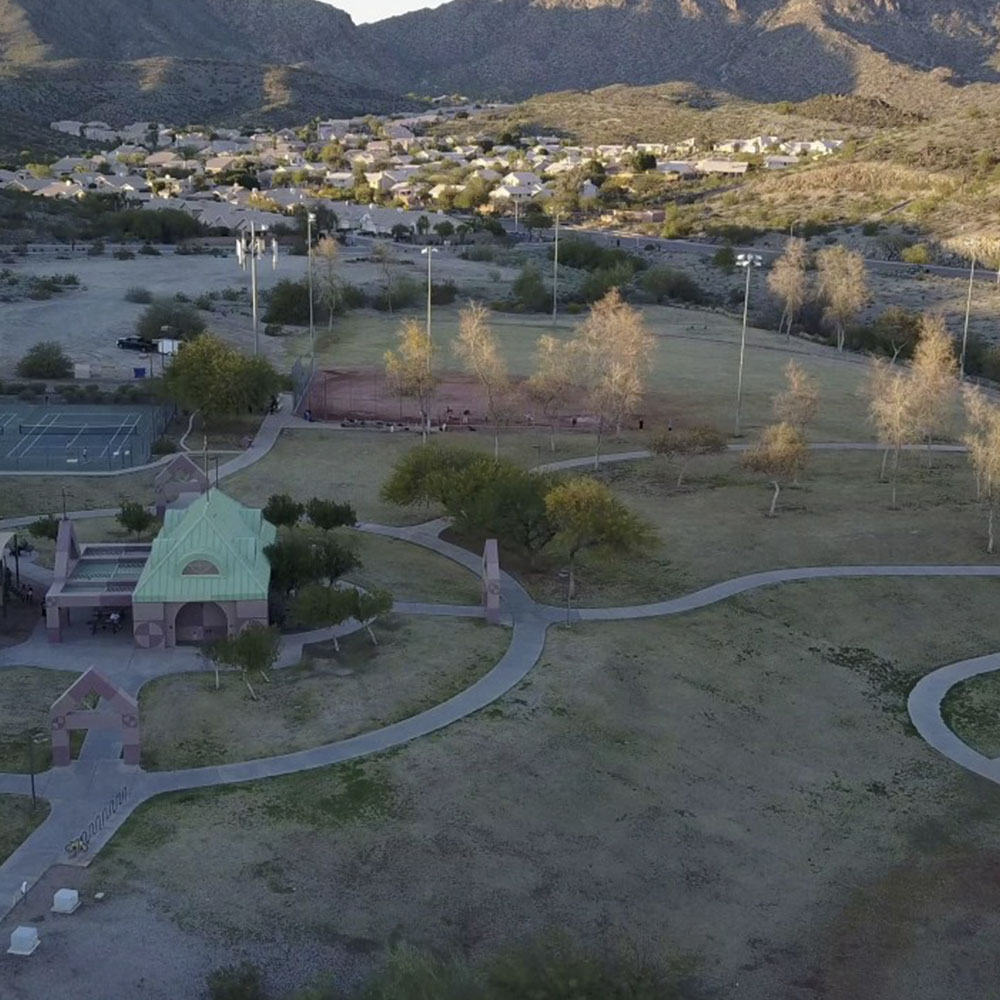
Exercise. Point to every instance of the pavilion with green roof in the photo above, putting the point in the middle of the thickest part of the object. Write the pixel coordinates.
(207, 575)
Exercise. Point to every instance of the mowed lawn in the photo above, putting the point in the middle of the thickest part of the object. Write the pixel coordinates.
(737, 789)
(26, 695)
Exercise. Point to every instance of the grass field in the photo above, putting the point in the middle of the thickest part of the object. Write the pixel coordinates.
(812, 836)
(693, 379)
(17, 820)
(418, 663)
(972, 710)
(26, 694)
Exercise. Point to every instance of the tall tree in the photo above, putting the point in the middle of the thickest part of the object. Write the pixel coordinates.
(843, 286)
(779, 454)
(587, 515)
(382, 253)
(477, 348)
(983, 442)
(797, 403)
(326, 255)
(614, 352)
(789, 282)
(552, 382)
(409, 369)
(933, 379)
(893, 409)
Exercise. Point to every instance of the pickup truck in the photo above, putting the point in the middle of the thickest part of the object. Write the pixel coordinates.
(138, 344)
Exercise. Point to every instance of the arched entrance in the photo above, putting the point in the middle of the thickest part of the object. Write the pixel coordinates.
(200, 621)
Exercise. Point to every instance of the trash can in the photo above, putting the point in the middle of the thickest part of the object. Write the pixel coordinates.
(139, 372)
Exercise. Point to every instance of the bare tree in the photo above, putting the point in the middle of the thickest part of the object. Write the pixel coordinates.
(983, 442)
(477, 348)
(679, 447)
(327, 254)
(614, 352)
(797, 403)
(382, 253)
(843, 286)
(409, 369)
(788, 281)
(779, 454)
(893, 409)
(552, 382)
(933, 377)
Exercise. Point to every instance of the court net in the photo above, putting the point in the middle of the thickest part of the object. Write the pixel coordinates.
(71, 430)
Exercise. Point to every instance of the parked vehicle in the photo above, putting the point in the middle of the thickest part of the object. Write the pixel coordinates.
(137, 344)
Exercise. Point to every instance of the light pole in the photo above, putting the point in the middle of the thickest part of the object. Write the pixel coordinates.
(428, 252)
(968, 310)
(310, 219)
(555, 274)
(748, 261)
(251, 247)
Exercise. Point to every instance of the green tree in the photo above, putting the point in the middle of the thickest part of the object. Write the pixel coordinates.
(423, 224)
(182, 319)
(46, 359)
(328, 514)
(588, 516)
(210, 376)
(282, 511)
(46, 526)
(255, 649)
(444, 229)
(293, 561)
(369, 605)
(421, 476)
(317, 606)
(133, 516)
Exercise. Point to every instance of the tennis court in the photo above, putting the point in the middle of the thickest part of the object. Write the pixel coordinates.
(78, 438)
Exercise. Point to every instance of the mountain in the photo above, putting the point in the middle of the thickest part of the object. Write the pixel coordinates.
(219, 61)
(758, 49)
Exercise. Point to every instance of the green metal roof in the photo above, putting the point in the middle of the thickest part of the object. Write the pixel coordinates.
(213, 532)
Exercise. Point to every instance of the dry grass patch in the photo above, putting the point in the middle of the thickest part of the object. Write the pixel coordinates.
(17, 819)
(26, 695)
(418, 663)
(651, 777)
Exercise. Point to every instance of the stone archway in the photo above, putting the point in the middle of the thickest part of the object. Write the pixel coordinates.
(69, 712)
(200, 621)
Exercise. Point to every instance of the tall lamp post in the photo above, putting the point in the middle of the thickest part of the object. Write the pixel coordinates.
(428, 252)
(250, 247)
(968, 310)
(555, 274)
(748, 261)
(310, 219)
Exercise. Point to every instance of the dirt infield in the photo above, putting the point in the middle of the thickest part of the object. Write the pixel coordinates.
(364, 394)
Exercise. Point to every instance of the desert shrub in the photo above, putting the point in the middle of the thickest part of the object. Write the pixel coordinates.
(896, 331)
(529, 289)
(123, 254)
(405, 292)
(181, 297)
(96, 249)
(184, 321)
(274, 330)
(443, 293)
(600, 281)
(724, 258)
(204, 302)
(46, 526)
(45, 360)
(479, 253)
(288, 302)
(136, 293)
(871, 228)
(231, 294)
(353, 297)
(148, 250)
(163, 446)
(918, 253)
(668, 283)
(236, 982)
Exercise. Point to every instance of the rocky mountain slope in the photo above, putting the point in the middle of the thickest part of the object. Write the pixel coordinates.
(760, 49)
(281, 61)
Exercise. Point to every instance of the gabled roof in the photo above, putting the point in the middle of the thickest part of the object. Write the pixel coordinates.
(214, 532)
